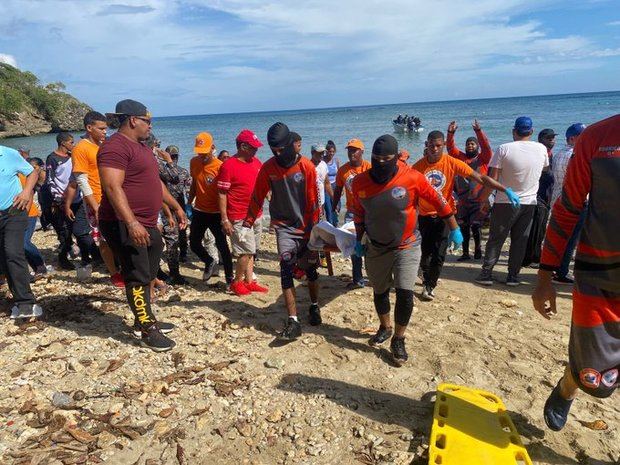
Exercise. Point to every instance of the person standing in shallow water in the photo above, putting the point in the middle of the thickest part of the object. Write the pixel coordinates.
(133, 196)
(384, 207)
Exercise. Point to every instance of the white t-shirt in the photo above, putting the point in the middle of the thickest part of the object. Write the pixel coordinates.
(522, 163)
(321, 175)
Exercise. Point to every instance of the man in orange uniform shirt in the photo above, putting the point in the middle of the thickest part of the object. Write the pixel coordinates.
(204, 169)
(441, 170)
(344, 181)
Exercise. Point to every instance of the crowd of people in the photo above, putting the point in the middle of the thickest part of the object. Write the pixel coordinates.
(410, 122)
(124, 202)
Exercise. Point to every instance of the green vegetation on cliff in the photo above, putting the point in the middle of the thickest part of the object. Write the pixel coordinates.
(24, 98)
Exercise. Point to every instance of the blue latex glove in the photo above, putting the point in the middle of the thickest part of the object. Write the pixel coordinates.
(512, 197)
(360, 249)
(189, 211)
(455, 239)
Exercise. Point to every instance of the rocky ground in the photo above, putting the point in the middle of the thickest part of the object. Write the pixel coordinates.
(76, 388)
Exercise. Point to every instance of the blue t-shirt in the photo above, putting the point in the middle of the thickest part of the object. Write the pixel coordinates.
(11, 163)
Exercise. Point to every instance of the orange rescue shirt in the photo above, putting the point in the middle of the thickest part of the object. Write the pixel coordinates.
(204, 179)
(344, 178)
(84, 158)
(441, 176)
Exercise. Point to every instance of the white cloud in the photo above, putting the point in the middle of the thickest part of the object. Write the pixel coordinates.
(201, 56)
(8, 59)
(614, 23)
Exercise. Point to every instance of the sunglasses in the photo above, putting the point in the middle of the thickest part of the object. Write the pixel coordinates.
(146, 120)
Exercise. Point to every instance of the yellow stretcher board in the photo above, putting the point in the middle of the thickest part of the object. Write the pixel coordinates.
(472, 427)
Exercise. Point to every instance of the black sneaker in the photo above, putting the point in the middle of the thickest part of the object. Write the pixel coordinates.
(25, 311)
(485, 278)
(209, 269)
(478, 254)
(427, 293)
(314, 315)
(155, 340)
(556, 410)
(291, 331)
(382, 335)
(165, 328)
(513, 281)
(463, 258)
(563, 279)
(183, 258)
(399, 354)
(65, 264)
(178, 280)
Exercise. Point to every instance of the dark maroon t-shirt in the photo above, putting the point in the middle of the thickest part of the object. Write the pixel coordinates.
(141, 185)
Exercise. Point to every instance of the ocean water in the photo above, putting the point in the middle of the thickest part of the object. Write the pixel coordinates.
(367, 123)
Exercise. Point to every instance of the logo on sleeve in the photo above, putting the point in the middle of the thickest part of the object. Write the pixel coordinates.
(399, 192)
(436, 178)
(298, 177)
(590, 378)
(610, 377)
(349, 182)
(210, 180)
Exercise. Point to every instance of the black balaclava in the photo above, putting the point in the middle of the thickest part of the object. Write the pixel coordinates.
(383, 172)
(473, 154)
(279, 135)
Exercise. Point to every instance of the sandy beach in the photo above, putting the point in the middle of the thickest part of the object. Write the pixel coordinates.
(76, 387)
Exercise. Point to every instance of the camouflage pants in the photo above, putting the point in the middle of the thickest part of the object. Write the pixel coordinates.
(171, 240)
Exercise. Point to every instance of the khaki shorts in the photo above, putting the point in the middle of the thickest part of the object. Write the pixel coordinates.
(396, 268)
(246, 241)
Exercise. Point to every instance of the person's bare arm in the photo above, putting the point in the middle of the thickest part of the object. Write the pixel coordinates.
(222, 201)
(23, 200)
(336, 198)
(68, 200)
(487, 181)
(328, 188)
(494, 174)
(112, 183)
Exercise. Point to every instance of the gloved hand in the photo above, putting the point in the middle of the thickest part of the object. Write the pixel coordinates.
(188, 211)
(360, 249)
(512, 197)
(455, 239)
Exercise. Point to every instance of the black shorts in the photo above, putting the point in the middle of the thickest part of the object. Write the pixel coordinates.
(139, 265)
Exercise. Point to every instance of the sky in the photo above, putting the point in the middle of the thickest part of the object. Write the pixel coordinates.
(183, 57)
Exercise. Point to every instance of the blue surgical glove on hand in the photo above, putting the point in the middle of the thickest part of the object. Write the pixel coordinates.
(188, 211)
(512, 197)
(360, 249)
(455, 239)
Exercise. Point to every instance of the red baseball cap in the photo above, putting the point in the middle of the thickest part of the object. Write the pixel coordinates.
(248, 137)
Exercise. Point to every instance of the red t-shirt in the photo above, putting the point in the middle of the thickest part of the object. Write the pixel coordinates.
(237, 178)
(141, 185)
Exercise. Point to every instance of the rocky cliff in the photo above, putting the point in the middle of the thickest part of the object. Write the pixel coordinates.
(28, 107)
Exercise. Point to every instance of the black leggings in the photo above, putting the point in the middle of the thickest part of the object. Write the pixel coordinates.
(475, 233)
(202, 221)
(403, 308)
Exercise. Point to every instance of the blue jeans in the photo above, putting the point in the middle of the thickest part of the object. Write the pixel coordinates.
(356, 261)
(33, 256)
(330, 214)
(571, 244)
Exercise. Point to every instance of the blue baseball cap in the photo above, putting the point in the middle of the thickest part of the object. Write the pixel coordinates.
(575, 129)
(523, 124)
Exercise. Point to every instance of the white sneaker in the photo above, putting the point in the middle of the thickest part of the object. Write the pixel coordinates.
(26, 311)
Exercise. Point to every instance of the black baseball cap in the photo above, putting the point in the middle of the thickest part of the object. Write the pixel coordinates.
(546, 134)
(130, 107)
(385, 145)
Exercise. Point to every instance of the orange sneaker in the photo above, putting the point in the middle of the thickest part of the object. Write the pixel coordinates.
(117, 280)
(238, 287)
(255, 287)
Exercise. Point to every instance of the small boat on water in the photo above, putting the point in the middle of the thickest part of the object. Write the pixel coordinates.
(401, 127)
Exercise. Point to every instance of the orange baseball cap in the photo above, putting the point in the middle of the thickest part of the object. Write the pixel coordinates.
(204, 143)
(355, 143)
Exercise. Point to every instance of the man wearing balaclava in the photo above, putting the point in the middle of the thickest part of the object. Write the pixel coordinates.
(384, 205)
(477, 155)
(294, 210)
